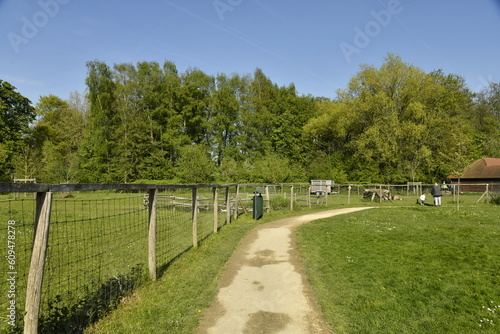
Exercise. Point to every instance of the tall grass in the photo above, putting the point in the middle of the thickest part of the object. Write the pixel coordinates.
(407, 270)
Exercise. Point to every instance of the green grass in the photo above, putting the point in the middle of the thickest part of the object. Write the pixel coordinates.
(100, 239)
(407, 270)
(176, 302)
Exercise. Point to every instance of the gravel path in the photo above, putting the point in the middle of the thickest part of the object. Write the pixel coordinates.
(264, 289)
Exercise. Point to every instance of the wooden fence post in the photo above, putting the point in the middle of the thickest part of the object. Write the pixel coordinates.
(487, 193)
(308, 197)
(195, 217)
(236, 201)
(152, 205)
(291, 198)
(35, 276)
(268, 199)
(216, 208)
(228, 207)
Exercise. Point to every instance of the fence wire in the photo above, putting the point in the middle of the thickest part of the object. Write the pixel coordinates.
(16, 235)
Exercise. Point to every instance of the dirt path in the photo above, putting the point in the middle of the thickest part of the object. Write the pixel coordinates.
(264, 289)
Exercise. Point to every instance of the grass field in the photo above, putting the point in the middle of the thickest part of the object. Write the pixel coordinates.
(407, 270)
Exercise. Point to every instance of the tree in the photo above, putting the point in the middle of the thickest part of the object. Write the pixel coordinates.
(486, 120)
(271, 168)
(289, 118)
(97, 147)
(195, 165)
(225, 113)
(16, 114)
(59, 132)
(257, 118)
(405, 117)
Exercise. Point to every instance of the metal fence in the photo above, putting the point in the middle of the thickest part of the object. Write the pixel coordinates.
(74, 251)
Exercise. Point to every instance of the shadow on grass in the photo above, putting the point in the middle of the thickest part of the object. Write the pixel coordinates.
(71, 314)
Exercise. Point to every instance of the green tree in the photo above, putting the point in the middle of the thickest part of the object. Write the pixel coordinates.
(195, 93)
(97, 147)
(271, 168)
(257, 118)
(195, 165)
(225, 112)
(486, 120)
(290, 116)
(328, 138)
(405, 119)
(16, 114)
(60, 130)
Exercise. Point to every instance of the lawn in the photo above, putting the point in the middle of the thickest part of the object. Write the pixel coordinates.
(407, 270)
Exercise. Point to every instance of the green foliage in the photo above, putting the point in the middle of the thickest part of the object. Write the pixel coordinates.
(279, 202)
(16, 114)
(57, 136)
(391, 124)
(495, 199)
(195, 165)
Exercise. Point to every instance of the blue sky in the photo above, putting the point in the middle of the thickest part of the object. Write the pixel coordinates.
(318, 44)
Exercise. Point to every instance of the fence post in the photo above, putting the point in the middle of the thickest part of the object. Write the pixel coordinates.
(35, 276)
(228, 207)
(195, 217)
(268, 199)
(236, 200)
(487, 193)
(349, 195)
(291, 198)
(309, 197)
(152, 204)
(216, 208)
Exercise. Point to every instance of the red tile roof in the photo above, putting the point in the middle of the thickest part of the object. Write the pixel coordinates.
(485, 168)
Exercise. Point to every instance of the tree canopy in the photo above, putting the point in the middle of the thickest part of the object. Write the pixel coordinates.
(16, 114)
(144, 122)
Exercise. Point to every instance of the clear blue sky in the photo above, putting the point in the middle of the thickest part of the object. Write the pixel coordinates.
(318, 44)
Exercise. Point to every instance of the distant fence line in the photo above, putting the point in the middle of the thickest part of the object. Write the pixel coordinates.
(70, 259)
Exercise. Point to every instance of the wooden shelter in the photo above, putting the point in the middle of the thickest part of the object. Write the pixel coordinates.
(476, 176)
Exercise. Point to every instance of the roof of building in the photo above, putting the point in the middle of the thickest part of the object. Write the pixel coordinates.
(485, 168)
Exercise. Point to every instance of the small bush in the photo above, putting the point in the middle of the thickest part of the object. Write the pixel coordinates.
(279, 202)
(495, 199)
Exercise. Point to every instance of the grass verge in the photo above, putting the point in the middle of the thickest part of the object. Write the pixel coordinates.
(406, 270)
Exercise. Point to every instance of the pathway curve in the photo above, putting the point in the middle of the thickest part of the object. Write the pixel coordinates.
(264, 289)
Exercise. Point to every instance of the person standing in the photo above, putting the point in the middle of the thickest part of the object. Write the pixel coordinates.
(422, 199)
(436, 193)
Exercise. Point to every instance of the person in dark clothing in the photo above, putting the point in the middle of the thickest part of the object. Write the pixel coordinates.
(436, 193)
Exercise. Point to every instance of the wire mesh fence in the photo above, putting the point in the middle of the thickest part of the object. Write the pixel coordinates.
(97, 250)
(95, 256)
(16, 237)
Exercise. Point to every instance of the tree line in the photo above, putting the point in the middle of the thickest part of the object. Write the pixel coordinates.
(148, 122)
